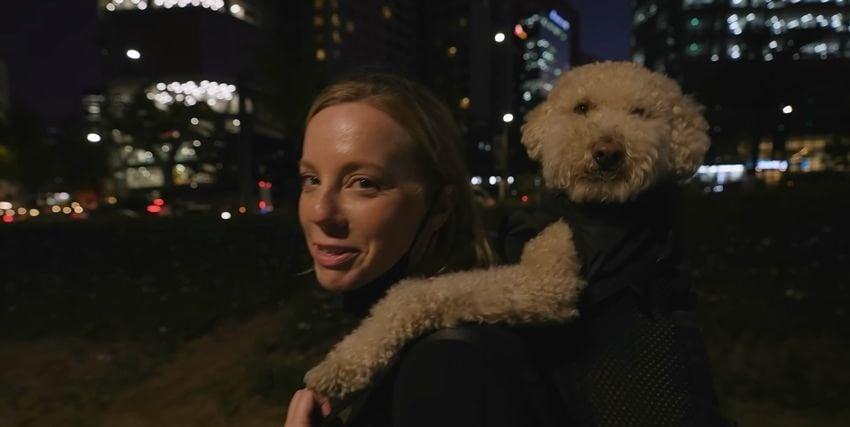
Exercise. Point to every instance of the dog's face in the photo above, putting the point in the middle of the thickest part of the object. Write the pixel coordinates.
(609, 131)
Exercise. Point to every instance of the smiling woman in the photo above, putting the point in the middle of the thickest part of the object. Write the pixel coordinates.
(385, 195)
(362, 198)
(384, 185)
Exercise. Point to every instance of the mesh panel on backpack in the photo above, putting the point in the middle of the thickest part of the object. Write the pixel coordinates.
(641, 380)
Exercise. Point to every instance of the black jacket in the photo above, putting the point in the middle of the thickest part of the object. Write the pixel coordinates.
(473, 375)
(634, 357)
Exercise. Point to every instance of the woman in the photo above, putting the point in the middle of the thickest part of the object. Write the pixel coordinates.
(385, 195)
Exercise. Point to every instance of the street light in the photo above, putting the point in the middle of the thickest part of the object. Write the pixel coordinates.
(499, 37)
(508, 117)
(133, 54)
(787, 109)
(93, 138)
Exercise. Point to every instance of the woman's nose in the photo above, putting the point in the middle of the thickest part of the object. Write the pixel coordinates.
(328, 214)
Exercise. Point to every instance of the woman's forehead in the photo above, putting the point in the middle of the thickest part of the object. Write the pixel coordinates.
(356, 132)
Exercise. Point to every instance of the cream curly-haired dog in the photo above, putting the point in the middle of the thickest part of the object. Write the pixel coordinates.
(608, 132)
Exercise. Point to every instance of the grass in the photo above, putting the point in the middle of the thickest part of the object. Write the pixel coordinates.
(199, 321)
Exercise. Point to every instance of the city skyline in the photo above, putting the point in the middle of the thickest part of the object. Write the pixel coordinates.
(39, 38)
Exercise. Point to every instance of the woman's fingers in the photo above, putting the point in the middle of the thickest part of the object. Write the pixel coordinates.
(300, 408)
(323, 402)
(304, 402)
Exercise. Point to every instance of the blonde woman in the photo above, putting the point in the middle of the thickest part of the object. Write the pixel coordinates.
(385, 195)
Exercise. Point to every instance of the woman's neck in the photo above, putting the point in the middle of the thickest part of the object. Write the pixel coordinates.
(359, 301)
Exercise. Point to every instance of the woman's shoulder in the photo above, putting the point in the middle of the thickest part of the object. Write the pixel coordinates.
(476, 338)
(466, 375)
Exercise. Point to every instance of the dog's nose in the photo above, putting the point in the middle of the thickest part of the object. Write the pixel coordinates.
(607, 154)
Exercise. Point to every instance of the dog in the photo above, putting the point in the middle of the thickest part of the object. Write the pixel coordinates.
(608, 136)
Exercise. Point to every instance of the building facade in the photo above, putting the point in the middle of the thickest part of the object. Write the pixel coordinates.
(179, 102)
(772, 74)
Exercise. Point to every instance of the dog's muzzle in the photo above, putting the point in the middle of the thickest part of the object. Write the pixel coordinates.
(607, 154)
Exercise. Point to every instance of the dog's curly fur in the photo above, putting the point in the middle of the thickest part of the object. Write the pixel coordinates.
(542, 287)
(662, 131)
(664, 138)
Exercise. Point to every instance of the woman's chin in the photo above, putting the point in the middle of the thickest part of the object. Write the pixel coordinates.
(336, 281)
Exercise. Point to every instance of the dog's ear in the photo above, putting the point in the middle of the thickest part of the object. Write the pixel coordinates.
(534, 130)
(690, 137)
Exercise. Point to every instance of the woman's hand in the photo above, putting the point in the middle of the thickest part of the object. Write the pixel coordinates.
(303, 406)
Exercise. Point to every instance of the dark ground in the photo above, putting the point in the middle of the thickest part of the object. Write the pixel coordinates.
(198, 321)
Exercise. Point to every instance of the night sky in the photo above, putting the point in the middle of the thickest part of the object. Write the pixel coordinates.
(49, 47)
(605, 27)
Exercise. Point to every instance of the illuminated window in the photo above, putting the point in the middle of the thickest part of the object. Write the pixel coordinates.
(238, 8)
(697, 3)
(452, 51)
(335, 20)
(220, 97)
(464, 103)
(695, 49)
(734, 51)
(321, 55)
(145, 177)
(387, 12)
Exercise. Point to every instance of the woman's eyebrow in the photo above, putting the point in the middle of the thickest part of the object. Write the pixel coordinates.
(360, 164)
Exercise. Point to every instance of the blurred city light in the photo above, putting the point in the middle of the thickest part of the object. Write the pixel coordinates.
(499, 37)
(133, 54)
(780, 165)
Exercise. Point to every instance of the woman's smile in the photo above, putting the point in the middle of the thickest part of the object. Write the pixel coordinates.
(361, 201)
(333, 256)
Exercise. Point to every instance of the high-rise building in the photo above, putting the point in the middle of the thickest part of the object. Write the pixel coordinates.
(772, 74)
(348, 35)
(4, 93)
(492, 62)
(180, 98)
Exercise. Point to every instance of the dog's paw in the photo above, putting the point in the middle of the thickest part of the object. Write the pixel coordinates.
(336, 377)
(552, 249)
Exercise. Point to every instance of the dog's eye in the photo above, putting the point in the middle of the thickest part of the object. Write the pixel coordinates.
(582, 108)
(641, 112)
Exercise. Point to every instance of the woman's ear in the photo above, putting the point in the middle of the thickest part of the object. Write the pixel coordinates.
(444, 205)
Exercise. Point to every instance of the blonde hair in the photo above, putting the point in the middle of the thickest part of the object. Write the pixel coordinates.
(437, 142)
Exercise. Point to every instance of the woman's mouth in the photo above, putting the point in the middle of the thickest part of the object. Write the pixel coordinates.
(330, 256)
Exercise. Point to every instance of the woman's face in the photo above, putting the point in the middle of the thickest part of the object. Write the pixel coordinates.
(362, 198)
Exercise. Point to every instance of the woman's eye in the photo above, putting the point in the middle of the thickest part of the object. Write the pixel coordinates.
(309, 180)
(582, 108)
(365, 184)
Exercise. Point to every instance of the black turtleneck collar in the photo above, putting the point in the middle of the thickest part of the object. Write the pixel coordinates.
(359, 301)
